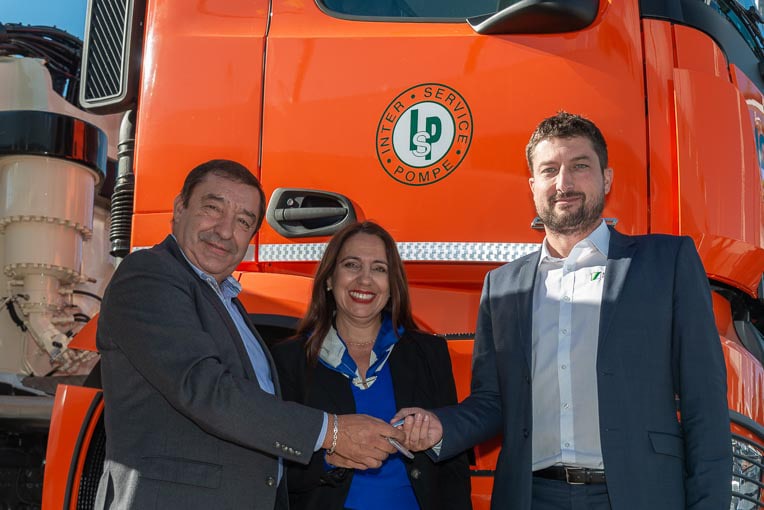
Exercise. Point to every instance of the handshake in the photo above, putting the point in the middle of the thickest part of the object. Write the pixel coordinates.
(361, 442)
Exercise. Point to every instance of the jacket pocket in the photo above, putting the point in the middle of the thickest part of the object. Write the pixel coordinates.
(667, 444)
(179, 470)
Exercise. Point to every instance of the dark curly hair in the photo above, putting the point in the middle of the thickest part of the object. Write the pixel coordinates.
(567, 125)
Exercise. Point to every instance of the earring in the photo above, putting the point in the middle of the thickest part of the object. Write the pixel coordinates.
(328, 288)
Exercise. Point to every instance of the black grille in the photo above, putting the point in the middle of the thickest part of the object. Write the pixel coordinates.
(109, 63)
(748, 463)
(92, 469)
(105, 49)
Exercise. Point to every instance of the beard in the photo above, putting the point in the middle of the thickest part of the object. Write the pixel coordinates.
(569, 222)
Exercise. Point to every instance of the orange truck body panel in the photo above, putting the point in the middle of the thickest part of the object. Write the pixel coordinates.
(76, 412)
(308, 100)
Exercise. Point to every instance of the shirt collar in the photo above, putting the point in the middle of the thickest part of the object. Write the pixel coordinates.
(599, 239)
(229, 287)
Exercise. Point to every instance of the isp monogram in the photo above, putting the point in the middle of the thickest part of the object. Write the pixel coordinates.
(424, 134)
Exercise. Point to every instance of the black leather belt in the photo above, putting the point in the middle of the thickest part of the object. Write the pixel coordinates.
(572, 475)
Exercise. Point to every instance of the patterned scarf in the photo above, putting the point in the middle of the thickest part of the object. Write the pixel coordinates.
(334, 354)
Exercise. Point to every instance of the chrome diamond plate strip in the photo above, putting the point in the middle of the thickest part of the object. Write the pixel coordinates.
(410, 252)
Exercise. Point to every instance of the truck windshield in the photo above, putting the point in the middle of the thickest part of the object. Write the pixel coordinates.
(744, 16)
(429, 9)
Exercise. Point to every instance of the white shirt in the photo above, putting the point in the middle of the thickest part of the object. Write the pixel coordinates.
(566, 311)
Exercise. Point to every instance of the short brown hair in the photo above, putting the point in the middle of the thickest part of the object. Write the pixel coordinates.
(226, 169)
(567, 125)
(317, 322)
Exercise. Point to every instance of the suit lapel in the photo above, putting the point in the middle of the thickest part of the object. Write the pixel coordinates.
(403, 370)
(171, 245)
(335, 395)
(238, 342)
(620, 252)
(263, 346)
(526, 275)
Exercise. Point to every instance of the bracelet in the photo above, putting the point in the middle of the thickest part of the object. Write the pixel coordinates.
(335, 432)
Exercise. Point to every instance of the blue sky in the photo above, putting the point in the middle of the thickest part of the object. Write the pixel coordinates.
(67, 15)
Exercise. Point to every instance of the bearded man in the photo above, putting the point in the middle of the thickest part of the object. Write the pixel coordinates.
(596, 357)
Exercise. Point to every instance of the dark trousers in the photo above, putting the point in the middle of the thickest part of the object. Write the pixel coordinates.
(559, 495)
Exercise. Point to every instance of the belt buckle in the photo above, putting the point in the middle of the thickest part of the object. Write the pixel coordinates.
(568, 470)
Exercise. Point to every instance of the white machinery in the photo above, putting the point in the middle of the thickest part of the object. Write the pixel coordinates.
(54, 262)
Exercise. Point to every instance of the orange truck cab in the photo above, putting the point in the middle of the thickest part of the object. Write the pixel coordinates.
(415, 114)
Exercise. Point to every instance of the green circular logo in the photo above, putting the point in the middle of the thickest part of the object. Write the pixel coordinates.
(424, 134)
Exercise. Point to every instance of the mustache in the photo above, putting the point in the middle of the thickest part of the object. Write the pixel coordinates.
(209, 236)
(562, 195)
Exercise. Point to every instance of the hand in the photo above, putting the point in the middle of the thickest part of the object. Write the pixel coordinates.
(422, 428)
(338, 460)
(361, 441)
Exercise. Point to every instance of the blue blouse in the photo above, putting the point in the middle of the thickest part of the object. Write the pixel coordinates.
(389, 486)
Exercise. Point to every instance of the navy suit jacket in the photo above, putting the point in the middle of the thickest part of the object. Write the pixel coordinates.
(187, 425)
(657, 339)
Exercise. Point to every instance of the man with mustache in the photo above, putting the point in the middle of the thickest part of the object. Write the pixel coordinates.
(192, 411)
(597, 357)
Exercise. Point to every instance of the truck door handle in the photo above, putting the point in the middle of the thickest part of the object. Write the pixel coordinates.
(294, 212)
(308, 213)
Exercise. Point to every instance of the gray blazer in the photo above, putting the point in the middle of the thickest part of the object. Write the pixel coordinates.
(657, 339)
(187, 424)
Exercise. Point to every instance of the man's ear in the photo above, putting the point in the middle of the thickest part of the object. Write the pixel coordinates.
(531, 181)
(608, 179)
(177, 208)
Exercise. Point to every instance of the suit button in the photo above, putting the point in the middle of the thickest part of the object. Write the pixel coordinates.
(270, 481)
(277, 444)
(297, 452)
(526, 433)
(528, 379)
(415, 474)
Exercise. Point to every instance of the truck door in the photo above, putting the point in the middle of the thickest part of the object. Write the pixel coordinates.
(420, 122)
